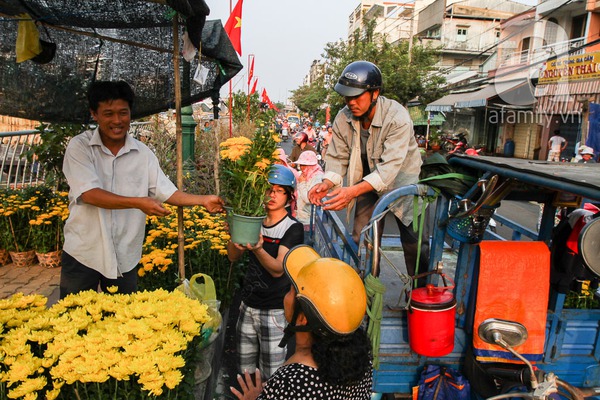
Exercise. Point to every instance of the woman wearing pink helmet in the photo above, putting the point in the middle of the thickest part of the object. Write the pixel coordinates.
(311, 174)
(300, 145)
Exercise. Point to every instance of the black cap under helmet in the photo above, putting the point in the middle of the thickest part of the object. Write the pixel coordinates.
(357, 78)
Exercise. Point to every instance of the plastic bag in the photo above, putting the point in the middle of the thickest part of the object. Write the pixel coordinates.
(202, 288)
(200, 291)
(442, 383)
(188, 51)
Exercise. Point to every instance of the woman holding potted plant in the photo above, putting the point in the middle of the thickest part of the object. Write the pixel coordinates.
(265, 283)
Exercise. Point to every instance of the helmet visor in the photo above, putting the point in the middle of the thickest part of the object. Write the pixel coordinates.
(348, 91)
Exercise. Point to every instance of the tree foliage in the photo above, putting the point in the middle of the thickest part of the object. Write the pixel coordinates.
(50, 150)
(310, 98)
(405, 75)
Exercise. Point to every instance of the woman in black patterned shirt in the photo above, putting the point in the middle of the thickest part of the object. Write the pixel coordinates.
(324, 309)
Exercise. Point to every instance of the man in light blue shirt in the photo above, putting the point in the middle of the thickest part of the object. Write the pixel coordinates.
(115, 182)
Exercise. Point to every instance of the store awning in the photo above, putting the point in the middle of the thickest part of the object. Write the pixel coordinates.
(419, 117)
(566, 98)
(515, 92)
(457, 78)
(476, 99)
(445, 103)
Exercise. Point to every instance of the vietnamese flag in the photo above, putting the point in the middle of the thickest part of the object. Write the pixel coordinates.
(254, 87)
(265, 97)
(251, 71)
(233, 27)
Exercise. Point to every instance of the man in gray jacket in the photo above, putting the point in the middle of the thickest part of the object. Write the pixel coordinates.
(374, 148)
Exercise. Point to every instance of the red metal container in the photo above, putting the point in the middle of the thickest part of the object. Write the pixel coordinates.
(431, 321)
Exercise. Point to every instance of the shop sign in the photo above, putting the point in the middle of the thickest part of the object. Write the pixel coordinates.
(573, 68)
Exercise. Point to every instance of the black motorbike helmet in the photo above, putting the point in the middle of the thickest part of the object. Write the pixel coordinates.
(357, 78)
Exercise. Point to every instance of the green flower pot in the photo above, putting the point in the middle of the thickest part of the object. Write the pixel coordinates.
(243, 229)
(229, 213)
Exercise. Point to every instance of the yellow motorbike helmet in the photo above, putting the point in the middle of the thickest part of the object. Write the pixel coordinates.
(330, 292)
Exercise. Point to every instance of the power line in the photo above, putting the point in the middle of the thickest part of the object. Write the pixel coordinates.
(416, 13)
(449, 69)
(445, 72)
(527, 66)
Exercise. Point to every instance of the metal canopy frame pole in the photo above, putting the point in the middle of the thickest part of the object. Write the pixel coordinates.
(179, 144)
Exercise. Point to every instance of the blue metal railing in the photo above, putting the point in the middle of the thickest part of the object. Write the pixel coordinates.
(332, 238)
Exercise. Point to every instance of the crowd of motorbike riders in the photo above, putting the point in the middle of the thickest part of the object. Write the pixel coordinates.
(309, 135)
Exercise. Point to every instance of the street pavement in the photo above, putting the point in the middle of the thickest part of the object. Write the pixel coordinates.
(30, 280)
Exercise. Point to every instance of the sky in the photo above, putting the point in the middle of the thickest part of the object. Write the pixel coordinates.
(285, 37)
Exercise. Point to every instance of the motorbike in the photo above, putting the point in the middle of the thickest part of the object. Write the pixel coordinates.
(461, 148)
(284, 134)
(526, 381)
(319, 149)
(455, 142)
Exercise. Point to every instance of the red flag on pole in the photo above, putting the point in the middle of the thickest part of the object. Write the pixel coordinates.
(254, 87)
(233, 27)
(265, 99)
(251, 70)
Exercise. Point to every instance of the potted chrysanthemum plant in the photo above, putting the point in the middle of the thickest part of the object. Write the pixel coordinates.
(244, 174)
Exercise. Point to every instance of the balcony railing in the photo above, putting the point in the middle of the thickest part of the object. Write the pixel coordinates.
(15, 169)
(457, 45)
(540, 54)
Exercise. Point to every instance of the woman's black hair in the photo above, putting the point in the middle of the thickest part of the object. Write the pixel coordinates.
(100, 91)
(342, 360)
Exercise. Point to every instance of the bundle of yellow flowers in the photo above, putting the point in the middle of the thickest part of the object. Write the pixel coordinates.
(17, 208)
(32, 219)
(47, 224)
(583, 296)
(245, 166)
(99, 346)
(206, 238)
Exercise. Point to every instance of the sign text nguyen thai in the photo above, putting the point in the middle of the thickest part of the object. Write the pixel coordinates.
(579, 67)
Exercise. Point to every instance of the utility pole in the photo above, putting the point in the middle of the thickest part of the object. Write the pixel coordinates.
(410, 35)
(585, 115)
(230, 91)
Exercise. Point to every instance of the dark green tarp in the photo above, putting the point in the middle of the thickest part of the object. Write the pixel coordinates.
(55, 92)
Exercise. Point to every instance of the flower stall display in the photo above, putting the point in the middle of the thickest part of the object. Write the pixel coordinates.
(206, 238)
(33, 219)
(584, 298)
(244, 174)
(47, 228)
(101, 346)
(17, 208)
